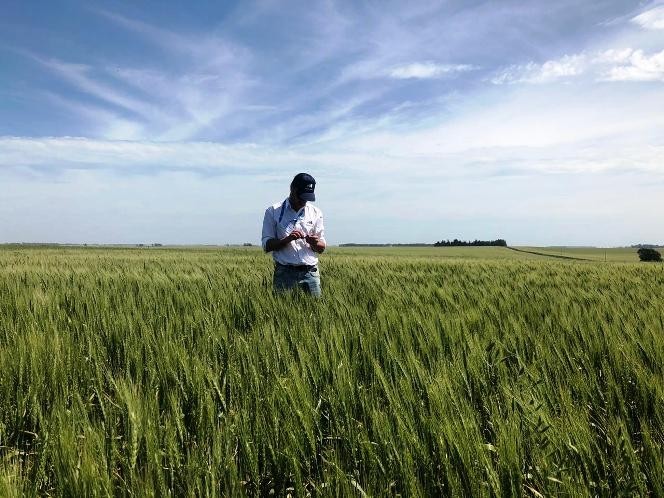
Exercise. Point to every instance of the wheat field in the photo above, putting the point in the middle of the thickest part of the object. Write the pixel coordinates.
(177, 372)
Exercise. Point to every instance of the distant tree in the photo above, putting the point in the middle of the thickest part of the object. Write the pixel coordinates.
(646, 254)
(247, 244)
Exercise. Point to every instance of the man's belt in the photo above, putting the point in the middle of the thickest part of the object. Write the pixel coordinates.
(297, 267)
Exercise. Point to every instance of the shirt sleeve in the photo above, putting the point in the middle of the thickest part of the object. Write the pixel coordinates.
(319, 227)
(269, 227)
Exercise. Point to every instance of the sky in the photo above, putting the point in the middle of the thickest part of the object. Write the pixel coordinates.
(179, 122)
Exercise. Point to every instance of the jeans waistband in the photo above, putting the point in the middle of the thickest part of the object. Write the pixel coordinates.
(297, 267)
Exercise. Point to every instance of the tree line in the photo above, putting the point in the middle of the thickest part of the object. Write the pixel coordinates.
(457, 242)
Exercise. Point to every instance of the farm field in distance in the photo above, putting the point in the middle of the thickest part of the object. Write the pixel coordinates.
(422, 372)
(613, 254)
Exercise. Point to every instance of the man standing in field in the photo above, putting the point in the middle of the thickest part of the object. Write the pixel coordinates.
(293, 232)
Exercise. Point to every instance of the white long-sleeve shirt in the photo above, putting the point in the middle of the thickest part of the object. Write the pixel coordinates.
(280, 220)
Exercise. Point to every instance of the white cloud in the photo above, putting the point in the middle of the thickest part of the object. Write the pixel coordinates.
(613, 56)
(638, 67)
(621, 64)
(651, 19)
(426, 70)
(553, 70)
(580, 193)
(580, 128)
(380, 67)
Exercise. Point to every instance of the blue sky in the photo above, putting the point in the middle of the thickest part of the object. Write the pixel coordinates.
(540, 122)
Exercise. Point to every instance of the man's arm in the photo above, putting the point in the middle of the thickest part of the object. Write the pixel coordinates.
(275, 244)
(269, 230)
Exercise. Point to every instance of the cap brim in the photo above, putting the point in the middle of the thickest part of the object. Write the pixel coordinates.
(307, 196)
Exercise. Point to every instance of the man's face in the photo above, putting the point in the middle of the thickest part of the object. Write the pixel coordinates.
(296, 197)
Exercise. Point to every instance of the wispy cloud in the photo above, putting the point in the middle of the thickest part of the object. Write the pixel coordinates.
(651, 19)
(207, 49)
(539, 140)
(548, 72)
(106, 123)
(79, 75)
(623, 64)
(62, 153)
(426, 70)
(208, 83)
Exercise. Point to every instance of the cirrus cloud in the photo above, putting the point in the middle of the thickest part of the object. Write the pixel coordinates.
(651, 19)
(426, 70)
(550, 71)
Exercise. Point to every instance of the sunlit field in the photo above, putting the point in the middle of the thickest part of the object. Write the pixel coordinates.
(421, 372)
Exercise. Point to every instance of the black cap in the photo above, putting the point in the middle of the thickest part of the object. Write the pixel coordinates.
(304, 185)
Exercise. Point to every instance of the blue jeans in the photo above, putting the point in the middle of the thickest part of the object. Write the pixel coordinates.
(288, 278)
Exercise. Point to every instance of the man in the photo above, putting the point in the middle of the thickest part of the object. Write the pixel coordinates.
(293, 232)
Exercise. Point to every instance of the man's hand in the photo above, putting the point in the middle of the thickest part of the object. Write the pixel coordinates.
(294, 235)
(315, 243)
(279, 244)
